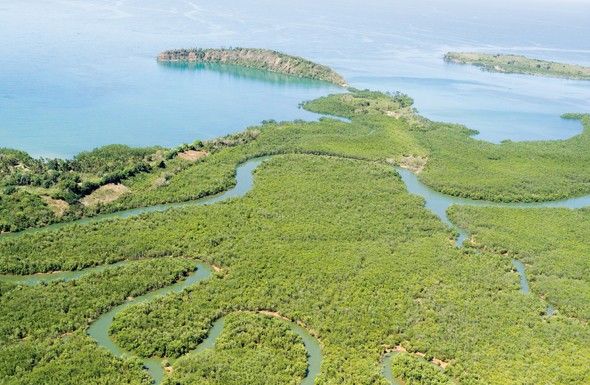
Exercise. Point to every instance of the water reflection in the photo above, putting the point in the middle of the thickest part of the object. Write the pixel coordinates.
(238, 72)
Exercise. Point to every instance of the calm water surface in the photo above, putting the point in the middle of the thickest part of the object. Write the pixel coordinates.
(78, 74)
(438, 203)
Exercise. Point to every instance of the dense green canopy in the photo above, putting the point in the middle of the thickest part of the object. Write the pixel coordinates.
(328, 237)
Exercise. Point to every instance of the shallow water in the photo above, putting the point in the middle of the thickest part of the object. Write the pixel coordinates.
(439, 203)
(387, 371)
(212, 335)
(99, 329)
(520, 269)
(80, 74)
(165, 106)
(314, 353)
(36, 279)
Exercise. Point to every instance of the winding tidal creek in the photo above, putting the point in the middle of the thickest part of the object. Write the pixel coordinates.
(435, 201)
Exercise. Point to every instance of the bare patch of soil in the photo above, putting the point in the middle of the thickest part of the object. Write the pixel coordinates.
(192, 155)
(435, 361)
(413, 163)
(394, 114)
(105, 194)
(58, 206)
(161, 181)
(274, 314)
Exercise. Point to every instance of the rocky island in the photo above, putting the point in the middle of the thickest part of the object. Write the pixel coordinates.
(383, 248)
(263, 59)
(519, 64)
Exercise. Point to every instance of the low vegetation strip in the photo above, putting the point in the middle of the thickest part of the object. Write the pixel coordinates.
(104, 194)
(455, 163)
(519, 64)
(262, 59)
(464, 166)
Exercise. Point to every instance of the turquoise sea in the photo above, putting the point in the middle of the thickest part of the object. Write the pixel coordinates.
(79, 74)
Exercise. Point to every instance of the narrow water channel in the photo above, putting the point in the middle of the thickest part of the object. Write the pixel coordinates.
(244, 183)
(387, 371)
(439, 203)
(99, 329)
(435, 201)
(312, 347)
(36, 279)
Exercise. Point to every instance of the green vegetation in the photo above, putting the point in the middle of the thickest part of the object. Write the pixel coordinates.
(110, 159)
(41, 327)
(417, 371)
(67, 306)
(551, 242)
(5, 287)
(382, 128)
(328, 237)
(511, 171)
(21, 209)
(37, 192)
(460, 165)
(66, 360)
(32, 188)
(519, 64)
(359, 103)
(295, 245)
(262, 59)
(252, 349)
(171, 179)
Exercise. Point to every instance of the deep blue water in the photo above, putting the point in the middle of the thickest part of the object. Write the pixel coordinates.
(78, 74)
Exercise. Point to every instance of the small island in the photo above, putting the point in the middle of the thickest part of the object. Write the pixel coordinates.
(518, 64)
(263, 59)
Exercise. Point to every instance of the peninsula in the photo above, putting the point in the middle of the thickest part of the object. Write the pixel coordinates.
(518, 64)
(263, 59)
(301, 252)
